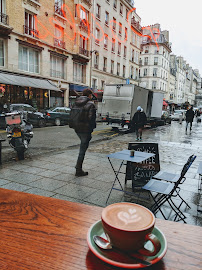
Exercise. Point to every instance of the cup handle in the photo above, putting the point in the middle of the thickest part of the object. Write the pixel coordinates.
(156, 244)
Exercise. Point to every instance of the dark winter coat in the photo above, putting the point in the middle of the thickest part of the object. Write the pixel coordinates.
(139, 119)
(89, 122)
(189, 115)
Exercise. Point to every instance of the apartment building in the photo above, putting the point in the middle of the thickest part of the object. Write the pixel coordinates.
(198, 97)
(111, 42)
(44, 50)
(154, 58)
(135, 47)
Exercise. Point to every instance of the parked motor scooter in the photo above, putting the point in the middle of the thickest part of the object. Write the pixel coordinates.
(19, 133)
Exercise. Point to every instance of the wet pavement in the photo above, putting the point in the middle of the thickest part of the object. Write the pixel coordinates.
(52, 175)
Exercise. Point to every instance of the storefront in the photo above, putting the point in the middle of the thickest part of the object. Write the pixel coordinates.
(21, 89)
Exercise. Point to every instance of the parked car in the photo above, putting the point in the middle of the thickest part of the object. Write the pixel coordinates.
(58, 116)
(177, 113)
(29, 113)
(166, 117)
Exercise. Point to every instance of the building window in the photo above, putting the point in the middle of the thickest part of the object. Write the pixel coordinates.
(96, 60)
(94, 83)
(119, 48)
(124, 71)
(126, 14)
(97, 36)
(83, 14)
(115, 4)
(121, 9)
(114, 24)
(59, 35)
(105, 41)
(155, 72)
(126, 33)
(105, 64)
(98, 11)
(56, 67)
(29, 27)
(156, 61)
(153, 84)
(118, 69)
(28, 59)
(131, 72)
(1, 52)
(79, 72)
(58, 7)
(113, 45)
(146, 49)
(124, 52)
(112, 66)
(132, 55)
(146, 61)
(120, 29)
(106, 17)
(145, 71)
(102, 85)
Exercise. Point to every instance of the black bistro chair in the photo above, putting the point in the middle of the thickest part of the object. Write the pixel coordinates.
(167, 188)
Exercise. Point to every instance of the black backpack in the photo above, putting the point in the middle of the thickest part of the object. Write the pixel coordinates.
(77, 117)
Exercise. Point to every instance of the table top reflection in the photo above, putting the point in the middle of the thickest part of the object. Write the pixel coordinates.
(49, 234)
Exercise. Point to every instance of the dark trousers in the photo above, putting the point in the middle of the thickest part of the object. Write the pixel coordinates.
(85, 139)
(188, 122)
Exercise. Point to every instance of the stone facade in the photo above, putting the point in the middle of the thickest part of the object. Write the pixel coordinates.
(155, 58)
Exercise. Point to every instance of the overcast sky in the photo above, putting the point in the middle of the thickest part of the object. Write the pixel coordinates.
(183, 20)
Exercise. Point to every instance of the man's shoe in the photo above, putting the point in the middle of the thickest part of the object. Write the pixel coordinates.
(81, 173)
(140, 138)
(137, 139)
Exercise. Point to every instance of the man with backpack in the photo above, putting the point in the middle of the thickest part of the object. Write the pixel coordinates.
(83, 121)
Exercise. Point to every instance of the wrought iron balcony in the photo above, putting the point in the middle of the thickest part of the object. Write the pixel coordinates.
(104, 69)
(96, 66)
(136, 25)
(59, 43)
(84, 25)
(59, 10)
(83, 51)
(3, 18)
(30, 31)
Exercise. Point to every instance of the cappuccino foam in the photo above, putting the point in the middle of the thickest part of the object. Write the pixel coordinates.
(127, 216)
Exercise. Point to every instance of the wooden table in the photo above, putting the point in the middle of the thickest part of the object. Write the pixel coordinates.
(41, 233)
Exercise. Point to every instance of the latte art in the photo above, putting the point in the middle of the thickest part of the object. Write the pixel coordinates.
(129, 217)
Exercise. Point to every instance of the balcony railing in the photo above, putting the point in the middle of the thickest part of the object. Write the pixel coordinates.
(57, 74)
(105, 46)
(3, 18)
(155, 63)
(59, 10)
(85, 26)
(59, 43)
(30, 31)
(97, 15)
(146, 63)
(104, 69)
(97, 41)
(96, 66)
(136, 24)
(83, 51)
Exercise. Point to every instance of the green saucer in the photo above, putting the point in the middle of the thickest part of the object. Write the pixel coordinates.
(118, 259)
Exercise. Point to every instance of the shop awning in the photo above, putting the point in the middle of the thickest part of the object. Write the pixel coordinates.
(19, 80)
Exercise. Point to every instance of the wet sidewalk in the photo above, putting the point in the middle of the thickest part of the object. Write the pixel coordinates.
(53, 175)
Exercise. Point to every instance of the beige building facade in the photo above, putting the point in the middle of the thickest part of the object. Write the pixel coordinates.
(48, 41)
(111, 42)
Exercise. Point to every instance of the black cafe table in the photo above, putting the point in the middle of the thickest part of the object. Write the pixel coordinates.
(124, 156)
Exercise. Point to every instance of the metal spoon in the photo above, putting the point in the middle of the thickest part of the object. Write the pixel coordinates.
(105, 244)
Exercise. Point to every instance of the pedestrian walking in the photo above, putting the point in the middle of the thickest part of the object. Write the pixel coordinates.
(197, 114)
(83, 121)
(138, 121)
(189, 117)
